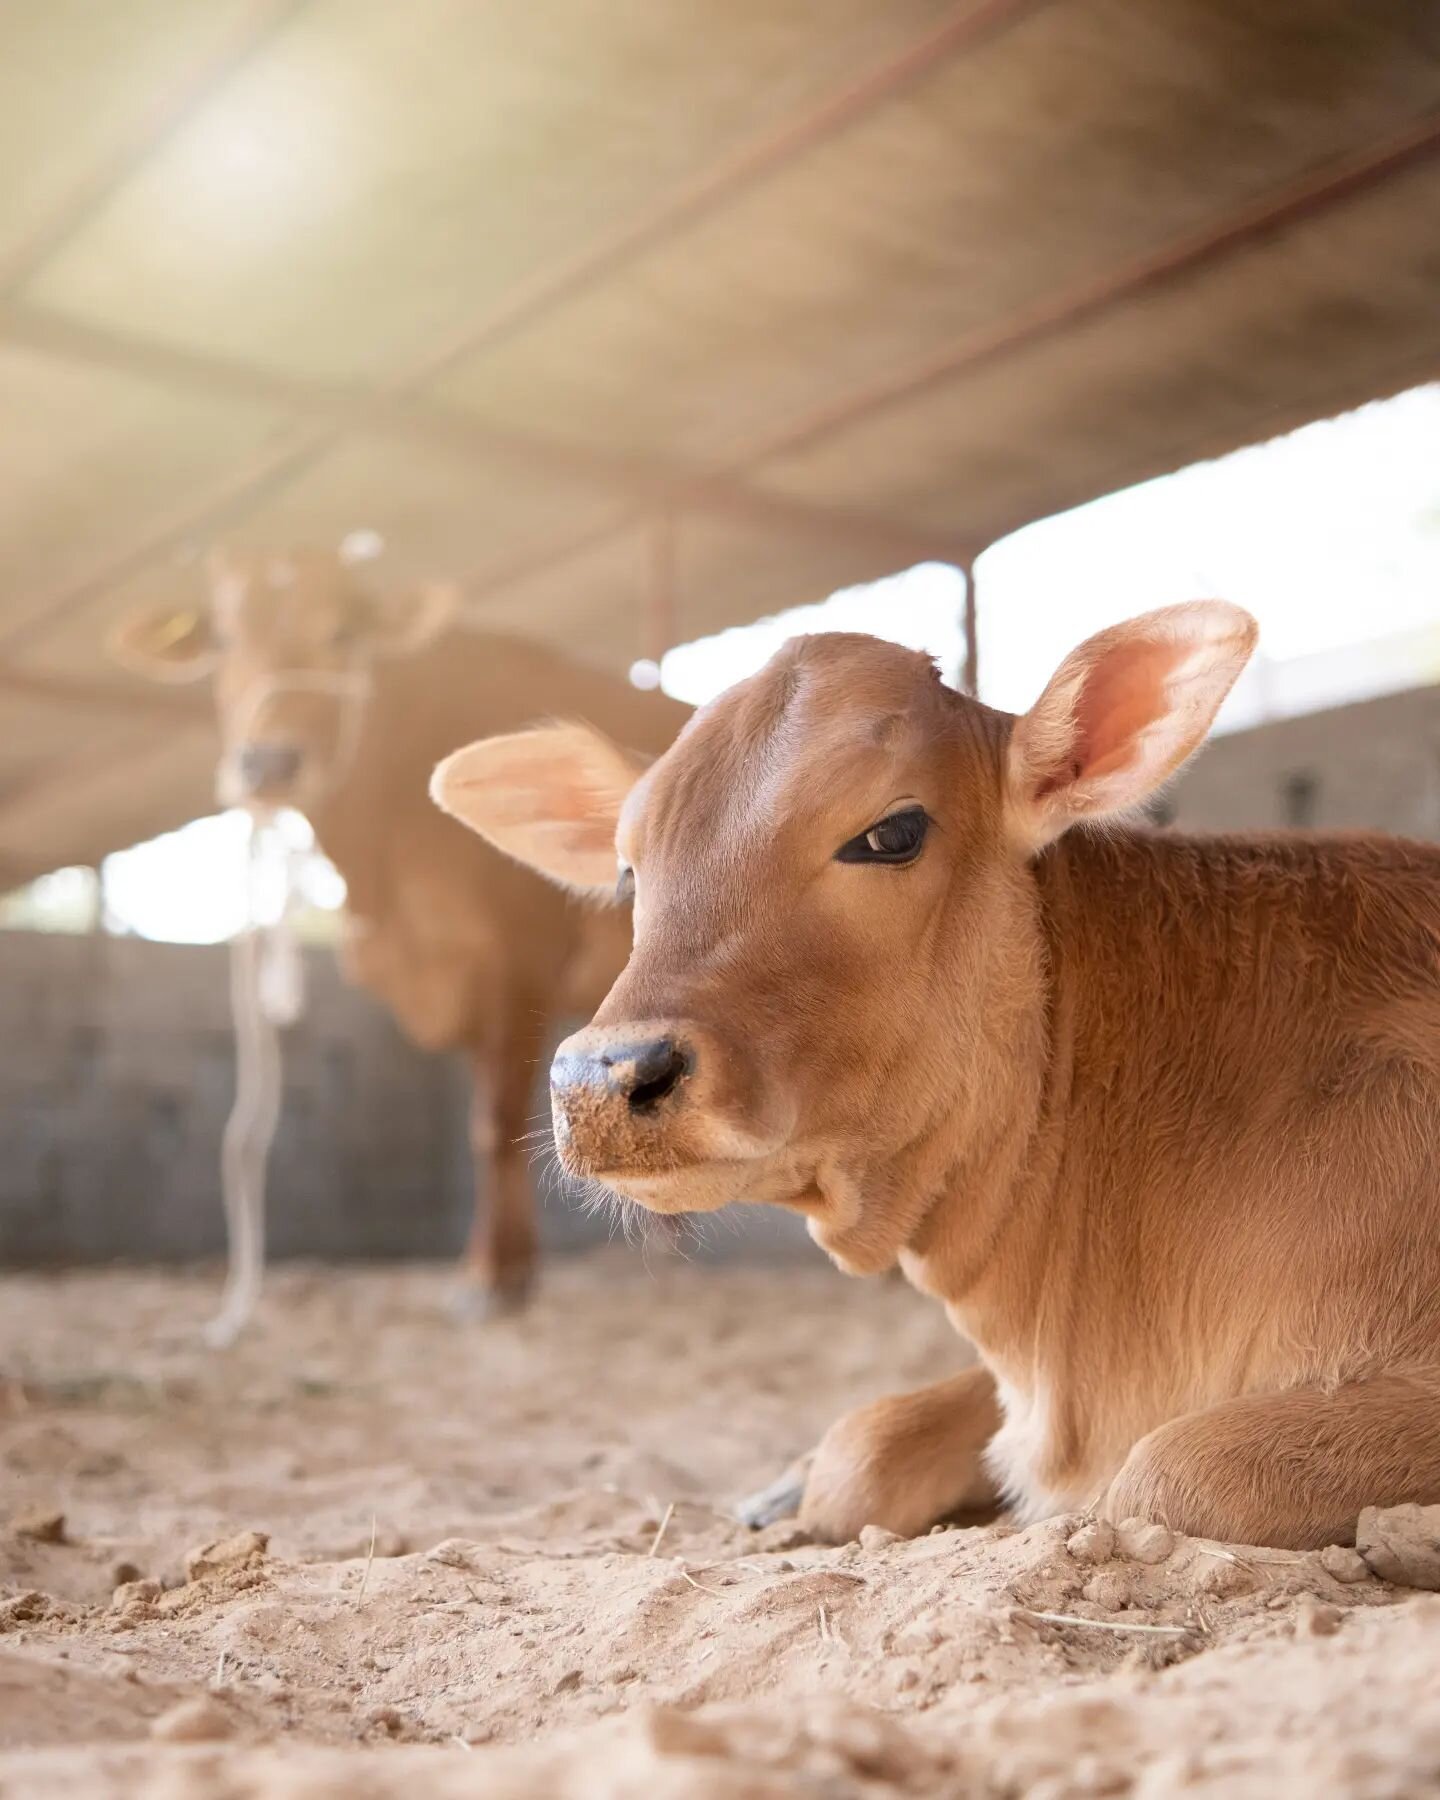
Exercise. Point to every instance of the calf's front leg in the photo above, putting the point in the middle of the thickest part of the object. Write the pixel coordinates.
(904, 1463)
(1290, 1469)
(498, 1268)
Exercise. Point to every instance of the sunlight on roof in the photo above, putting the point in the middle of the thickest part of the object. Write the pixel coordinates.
(1331, 536)
(189, 887)
(258, 163)
(921, 608)
(65, 901)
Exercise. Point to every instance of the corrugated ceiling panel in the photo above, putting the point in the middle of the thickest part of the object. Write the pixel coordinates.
(1335, 309)
(1087, 135)
(373, 179)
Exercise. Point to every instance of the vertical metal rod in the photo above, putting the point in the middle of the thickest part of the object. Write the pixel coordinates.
(970, 678)
(660, 631)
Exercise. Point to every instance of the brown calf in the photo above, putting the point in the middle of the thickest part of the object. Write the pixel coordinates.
(1157, 1118)
(337, 701)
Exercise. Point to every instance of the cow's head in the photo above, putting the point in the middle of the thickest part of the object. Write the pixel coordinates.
(289, 638)
(836, 950)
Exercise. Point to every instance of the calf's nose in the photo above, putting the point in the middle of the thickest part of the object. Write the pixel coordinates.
(264, 765)
(642, 1072)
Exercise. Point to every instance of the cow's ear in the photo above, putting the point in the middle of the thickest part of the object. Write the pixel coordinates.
(406, 622)
(1122, 714)
(549, 797)
(164, 643)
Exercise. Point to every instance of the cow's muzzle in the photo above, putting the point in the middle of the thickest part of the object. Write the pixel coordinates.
(640, 1076)
(620, 1099)
(263, 769)
(664, 1110)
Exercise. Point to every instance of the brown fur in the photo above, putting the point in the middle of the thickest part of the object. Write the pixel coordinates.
(1157, 1118)
(468, 950)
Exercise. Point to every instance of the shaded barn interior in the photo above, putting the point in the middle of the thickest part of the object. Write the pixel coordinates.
(117, 1072)
(644, 320)
(637, 321)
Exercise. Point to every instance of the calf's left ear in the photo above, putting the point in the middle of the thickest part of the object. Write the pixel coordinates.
(164, 644)
(1122, 714)
(549, 797)
(406, 622)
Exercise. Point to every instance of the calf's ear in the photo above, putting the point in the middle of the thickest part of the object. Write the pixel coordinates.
(1122, 714)
(549, 797)
(164, 643)
(405, 623)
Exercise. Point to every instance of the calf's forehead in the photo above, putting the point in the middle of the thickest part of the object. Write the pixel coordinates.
(830, 727)
(279, 596)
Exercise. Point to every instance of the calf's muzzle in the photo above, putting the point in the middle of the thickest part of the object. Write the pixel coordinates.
(263, 767)
(621, 1096)
(638, 1073)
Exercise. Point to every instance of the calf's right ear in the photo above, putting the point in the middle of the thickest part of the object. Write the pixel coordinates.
(550, 797)
(164, 643)
(1121, 715)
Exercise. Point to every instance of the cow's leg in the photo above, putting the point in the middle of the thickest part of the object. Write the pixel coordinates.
(904, 1463)
(499, 1265)
(1290, 1469)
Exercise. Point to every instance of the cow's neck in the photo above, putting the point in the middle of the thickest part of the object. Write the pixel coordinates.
(1058, 1178)
(398, 742)
(1180, 1038)
(989, 1169)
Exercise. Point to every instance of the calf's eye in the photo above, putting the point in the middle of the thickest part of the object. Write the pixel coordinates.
(897, 838)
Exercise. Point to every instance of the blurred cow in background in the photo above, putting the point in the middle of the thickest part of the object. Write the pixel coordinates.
(338, 701)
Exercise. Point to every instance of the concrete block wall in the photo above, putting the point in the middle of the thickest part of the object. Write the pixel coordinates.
(117, 1069)
(1371, 766)
(116, 1076)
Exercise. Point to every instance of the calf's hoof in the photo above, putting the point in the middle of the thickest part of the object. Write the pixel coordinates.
(781, 1500)
(482, 1303)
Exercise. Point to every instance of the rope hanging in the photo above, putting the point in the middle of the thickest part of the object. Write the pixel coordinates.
(266, 994)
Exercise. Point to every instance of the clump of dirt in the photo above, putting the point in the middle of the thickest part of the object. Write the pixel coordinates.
(1401, 1543)
(370, 1550)
(42, 1524)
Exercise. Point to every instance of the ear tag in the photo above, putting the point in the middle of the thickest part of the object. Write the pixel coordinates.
(176, 628)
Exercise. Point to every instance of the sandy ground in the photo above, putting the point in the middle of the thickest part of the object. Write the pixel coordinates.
(518, 1630)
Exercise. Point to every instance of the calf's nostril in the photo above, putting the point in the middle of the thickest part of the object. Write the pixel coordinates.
(260, 764)
(655, 1070)
(641, 1073)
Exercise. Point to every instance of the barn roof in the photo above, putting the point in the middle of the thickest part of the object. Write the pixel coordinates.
(646, 318)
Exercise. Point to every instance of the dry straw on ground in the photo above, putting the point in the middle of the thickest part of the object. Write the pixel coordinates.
(502, 1558)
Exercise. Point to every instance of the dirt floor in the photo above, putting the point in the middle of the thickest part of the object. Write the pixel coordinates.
(525, 1627)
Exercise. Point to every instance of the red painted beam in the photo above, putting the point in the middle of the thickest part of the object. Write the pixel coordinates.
(969, 24)
(1289, 206)
(965, 28)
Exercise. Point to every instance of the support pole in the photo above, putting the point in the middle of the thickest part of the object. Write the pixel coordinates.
(970, 676)
(660, 626)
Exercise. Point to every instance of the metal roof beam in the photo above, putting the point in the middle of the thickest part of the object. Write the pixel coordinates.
(99, 696)
(967, 25)
(1287, 206)
(965, 28)
(1298, 200)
